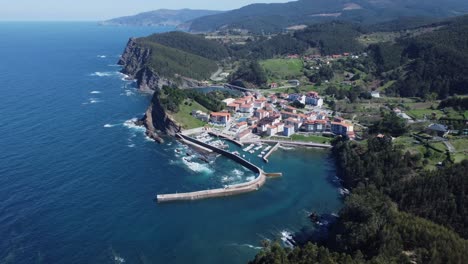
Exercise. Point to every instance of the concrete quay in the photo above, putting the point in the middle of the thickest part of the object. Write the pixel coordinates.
(291, 143)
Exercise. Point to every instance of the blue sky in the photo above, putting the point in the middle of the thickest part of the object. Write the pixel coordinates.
(34, 10)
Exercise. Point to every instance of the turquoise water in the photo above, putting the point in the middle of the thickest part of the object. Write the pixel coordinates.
(77, 183)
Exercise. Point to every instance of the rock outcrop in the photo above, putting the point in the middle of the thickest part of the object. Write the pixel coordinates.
(136, 64)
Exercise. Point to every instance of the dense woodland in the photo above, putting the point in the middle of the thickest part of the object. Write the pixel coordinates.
(396, 213)
(170, 61)
(171, 98)
(191, 43)
(435, 62)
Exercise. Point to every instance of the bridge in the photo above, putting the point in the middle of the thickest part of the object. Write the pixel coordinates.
(238, 88)
(236, 189)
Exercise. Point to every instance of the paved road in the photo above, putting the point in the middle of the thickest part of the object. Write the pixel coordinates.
(449, 146)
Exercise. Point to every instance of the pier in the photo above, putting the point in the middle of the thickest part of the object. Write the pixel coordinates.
(265, 158)
(236, 189)
(291, 143)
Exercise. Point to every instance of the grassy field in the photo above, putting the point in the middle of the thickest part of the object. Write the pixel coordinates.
(413, 146)
(421, 113)
(311, 138)
(282, 69)
(460, 144)
(184, 116)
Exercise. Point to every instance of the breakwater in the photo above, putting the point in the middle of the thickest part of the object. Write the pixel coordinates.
(229, 190)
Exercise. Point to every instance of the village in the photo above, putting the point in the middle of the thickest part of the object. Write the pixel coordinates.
(255, 115)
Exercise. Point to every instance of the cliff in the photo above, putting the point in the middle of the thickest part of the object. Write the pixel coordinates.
(136, 61)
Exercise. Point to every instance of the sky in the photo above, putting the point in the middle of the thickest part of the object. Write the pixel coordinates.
(96, 10)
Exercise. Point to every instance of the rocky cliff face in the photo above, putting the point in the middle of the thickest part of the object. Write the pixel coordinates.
(158, 120)
(135, 61)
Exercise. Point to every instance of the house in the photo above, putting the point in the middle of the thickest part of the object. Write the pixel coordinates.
(290, 109)
(260, 114)
(201, 115)
(229, 101)
(246, 108)
(375, 94)
(316, 126)
(288, 131)
(239, 127)
(252, 121)
(273, 99)
(234, 107)
(315, 101)
(221, 118)
(294, 82)
(341, 128)
(297, 98)
(258, 104)
(296, 123)
(437, 129)
(272, 130)
(273, 85)
(243, 134)
(293, 56)
(280, 127)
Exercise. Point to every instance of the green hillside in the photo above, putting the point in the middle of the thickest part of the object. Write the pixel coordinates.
(268, 18)
(191, 43)
(170, 61)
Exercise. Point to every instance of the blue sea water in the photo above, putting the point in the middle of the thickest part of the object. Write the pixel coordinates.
(78, 182)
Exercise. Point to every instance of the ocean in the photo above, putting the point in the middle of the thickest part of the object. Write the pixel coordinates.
(78, 181)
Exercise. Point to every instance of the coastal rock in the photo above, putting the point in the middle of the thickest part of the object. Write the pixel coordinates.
(157, 121)
(135, 61)
(136, 64)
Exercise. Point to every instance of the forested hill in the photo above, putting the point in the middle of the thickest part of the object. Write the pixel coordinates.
(162, 17)
(191, 43)
(184, 54)
(435, 62)
(277, 17)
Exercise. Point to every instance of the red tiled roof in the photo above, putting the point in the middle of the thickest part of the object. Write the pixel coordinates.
(220, 114)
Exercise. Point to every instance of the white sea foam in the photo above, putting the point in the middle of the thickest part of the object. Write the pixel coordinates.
(131, 123)
(124, 77)
(226, 179)
(119, 259)
(247, 245)
(94, 100)
(102, 56)
(129, 93)
(109, 125)
(107, 74)
(131, 145)
(95, 92)
(251, 178)
(238, 172)
(196, 167)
